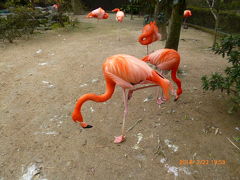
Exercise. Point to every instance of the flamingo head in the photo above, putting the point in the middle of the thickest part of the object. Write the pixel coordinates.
(77, 117)
(105, 16)
(115, 10)
(179, 92)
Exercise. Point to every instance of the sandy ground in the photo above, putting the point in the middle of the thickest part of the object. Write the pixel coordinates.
(41, 78)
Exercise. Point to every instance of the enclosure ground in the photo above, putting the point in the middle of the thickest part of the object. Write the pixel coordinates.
(41, 78)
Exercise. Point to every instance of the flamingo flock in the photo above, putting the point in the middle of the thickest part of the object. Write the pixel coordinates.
(128, 71)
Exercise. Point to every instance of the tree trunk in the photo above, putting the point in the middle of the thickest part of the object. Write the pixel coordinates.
(215, 30)
(163, 31)
(131, 11)
(77, 7)
(175, 25)
(156, 10)
(216, 23)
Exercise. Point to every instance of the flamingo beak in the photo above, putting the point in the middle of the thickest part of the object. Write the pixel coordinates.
(88, 126)
(176, 98)
(85, 125)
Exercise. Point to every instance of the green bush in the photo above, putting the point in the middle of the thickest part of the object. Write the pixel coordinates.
(21, 22)
(24, 21)
(27, 19)
(230, 82)
(228, 21)
(9, 29)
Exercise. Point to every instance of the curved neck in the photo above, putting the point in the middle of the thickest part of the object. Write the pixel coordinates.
(164, 83)
(177, 81)
(110, 86)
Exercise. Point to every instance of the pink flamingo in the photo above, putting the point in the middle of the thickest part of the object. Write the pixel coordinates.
(98, 13)
(124, 71)
(119, 18)
(119, 15)
(149, 34)
(186, 14)
(167, 59)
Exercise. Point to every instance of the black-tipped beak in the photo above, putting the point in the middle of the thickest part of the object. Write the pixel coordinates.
(88, 126)
(175, 99)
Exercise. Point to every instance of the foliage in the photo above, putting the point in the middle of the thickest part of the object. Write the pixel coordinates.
(230, 82)
(224, 4)
(137, 6)
(228, 21)
(24, 21)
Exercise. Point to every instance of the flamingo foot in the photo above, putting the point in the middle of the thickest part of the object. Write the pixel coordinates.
(160, 100)
(85, 125)
(119, 139)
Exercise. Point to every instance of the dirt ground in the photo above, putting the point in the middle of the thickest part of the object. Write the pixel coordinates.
(41, 78)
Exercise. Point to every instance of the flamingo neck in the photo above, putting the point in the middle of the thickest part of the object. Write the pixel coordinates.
(164, 83)
(177, 81)
(77, 115)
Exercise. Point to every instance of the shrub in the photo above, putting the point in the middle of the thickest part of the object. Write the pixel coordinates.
(8, 28)
(230, 82)
(27, 19)
(24, 21)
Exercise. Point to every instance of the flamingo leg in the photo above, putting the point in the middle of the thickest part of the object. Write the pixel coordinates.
(119, 30)
(125, 100)
(130, 92)
(118, 34)
(121, 138)
(160, 99)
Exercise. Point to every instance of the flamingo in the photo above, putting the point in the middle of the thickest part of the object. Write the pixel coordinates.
(167, 59)
(119, 18)
(149, 34)
(98, 13)
(119, 15)
(186, 14)
(125, 71)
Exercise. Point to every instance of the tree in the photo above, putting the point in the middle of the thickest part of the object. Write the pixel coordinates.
(175, 24)
(161, 15)
(214, 6)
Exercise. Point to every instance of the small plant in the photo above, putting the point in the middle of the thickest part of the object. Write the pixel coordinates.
(230, 81)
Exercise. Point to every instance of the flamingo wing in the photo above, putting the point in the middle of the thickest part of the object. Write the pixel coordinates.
(119, 81)
(126, 70)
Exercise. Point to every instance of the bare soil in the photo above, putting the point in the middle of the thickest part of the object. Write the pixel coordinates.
(41, 78)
